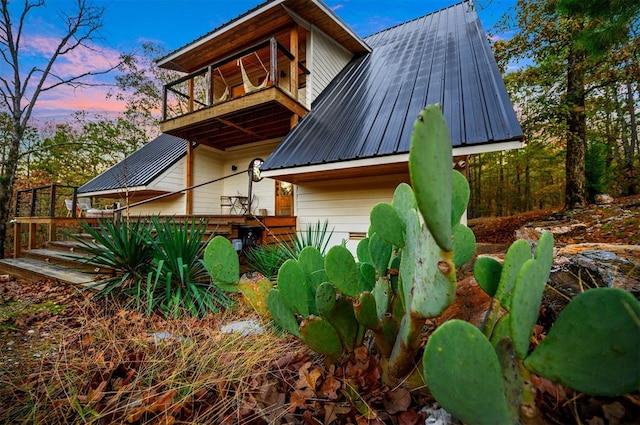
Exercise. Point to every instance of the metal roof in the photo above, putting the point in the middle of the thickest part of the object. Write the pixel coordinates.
(369, 109)
(141, 167)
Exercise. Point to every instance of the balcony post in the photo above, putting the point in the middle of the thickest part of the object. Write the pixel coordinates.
(52, 203)
(210, 89)
(74, 203)
(32, 211)
(164, 102)
(191, 90)
(274, 61)
(293, 64)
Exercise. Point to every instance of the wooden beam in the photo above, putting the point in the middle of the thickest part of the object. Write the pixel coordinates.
(293, 65)
(272, 94)
(236, 126)
(17, 246)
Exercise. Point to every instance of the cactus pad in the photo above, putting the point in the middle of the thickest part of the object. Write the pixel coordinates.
(281, 313)
(431, 173)
(342, 271)
(463, 373)
(292, 284)
(593, 346)
(221, 260)
(321, 337)
(387, 224)
(487, 272)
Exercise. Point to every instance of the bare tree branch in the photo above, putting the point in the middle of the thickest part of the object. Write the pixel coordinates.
(82, 27)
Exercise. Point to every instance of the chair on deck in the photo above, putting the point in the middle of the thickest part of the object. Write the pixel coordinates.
(84, 204)
(69, 204)
(225, 202)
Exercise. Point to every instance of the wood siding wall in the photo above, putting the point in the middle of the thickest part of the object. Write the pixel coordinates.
(207, 165)
(326, 59)
(346, 203)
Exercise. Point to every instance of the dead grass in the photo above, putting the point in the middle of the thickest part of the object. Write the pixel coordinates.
(121, 367)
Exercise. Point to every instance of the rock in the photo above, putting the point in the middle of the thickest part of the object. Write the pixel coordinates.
(603, 199)
(244, 327)
(577, 268)
(439, 417)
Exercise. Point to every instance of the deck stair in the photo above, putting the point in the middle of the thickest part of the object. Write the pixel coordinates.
(65, 261)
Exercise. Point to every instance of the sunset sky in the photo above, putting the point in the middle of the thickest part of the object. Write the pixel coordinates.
(174, 23)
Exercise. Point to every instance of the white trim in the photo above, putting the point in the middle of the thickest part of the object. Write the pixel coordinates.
(119, 191)
(387, 160)
(168, 59)
(337, 19)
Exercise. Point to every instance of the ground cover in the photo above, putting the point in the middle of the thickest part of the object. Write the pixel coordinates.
(68, 358)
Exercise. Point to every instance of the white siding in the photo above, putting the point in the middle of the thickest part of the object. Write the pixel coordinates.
(346, 203)
(264, 190)
(326, 59)
(208, 164)
(171, 180)
(172, 205)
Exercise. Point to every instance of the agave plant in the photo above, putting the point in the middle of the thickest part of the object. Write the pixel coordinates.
(266, 259)
(179, 279)
(316, 235)
(125, 248)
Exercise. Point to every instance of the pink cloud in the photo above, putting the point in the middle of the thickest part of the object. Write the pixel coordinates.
(80, 60)
(64, 100)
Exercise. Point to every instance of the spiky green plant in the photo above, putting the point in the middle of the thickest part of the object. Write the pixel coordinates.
(266, 259)
(125, 248)
(180, 280)
(315, 234)
(156, 263)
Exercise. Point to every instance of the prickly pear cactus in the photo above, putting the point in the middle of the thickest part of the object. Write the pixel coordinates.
(463, 373)
(594, 345)
(222, 263)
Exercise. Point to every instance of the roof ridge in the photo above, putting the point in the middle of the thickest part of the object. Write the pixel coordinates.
(418, 18)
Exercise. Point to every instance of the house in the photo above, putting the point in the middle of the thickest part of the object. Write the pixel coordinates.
(330, 113)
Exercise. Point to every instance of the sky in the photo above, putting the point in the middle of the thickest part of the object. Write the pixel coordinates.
(127, 24)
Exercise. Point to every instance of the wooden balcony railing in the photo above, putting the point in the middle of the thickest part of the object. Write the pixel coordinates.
(263, 65)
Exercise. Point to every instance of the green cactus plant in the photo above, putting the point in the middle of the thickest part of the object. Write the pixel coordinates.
(592, 353)
(406, 272)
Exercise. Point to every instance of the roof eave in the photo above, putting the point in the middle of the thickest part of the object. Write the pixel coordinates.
(293, 173)
(121, 191)
(166, 62)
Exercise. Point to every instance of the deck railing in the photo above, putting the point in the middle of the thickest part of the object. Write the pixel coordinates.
(262, 65)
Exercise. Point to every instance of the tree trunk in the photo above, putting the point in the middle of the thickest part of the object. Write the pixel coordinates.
(633, 141)
(7, 180)
(576, 131)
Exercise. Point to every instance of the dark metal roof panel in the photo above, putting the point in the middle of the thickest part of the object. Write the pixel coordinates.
(369, 108)
(141, 167)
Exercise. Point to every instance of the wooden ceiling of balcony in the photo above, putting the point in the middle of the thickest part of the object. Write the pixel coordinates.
(254, 117)
(273, 20)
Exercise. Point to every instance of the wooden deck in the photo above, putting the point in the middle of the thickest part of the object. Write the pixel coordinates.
(43, 250)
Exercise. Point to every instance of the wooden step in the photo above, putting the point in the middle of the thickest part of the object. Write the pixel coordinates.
(34, 270)
(74, 247)
(64, 258)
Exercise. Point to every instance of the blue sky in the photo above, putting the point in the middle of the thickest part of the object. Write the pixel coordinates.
(174, 23)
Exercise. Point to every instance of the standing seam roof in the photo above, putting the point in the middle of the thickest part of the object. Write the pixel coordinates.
(369, 109)
(141, 167)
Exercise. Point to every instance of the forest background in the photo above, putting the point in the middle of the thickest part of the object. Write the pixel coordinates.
(575, 89)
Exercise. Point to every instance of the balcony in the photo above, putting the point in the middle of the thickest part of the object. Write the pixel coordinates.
(256, 94)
